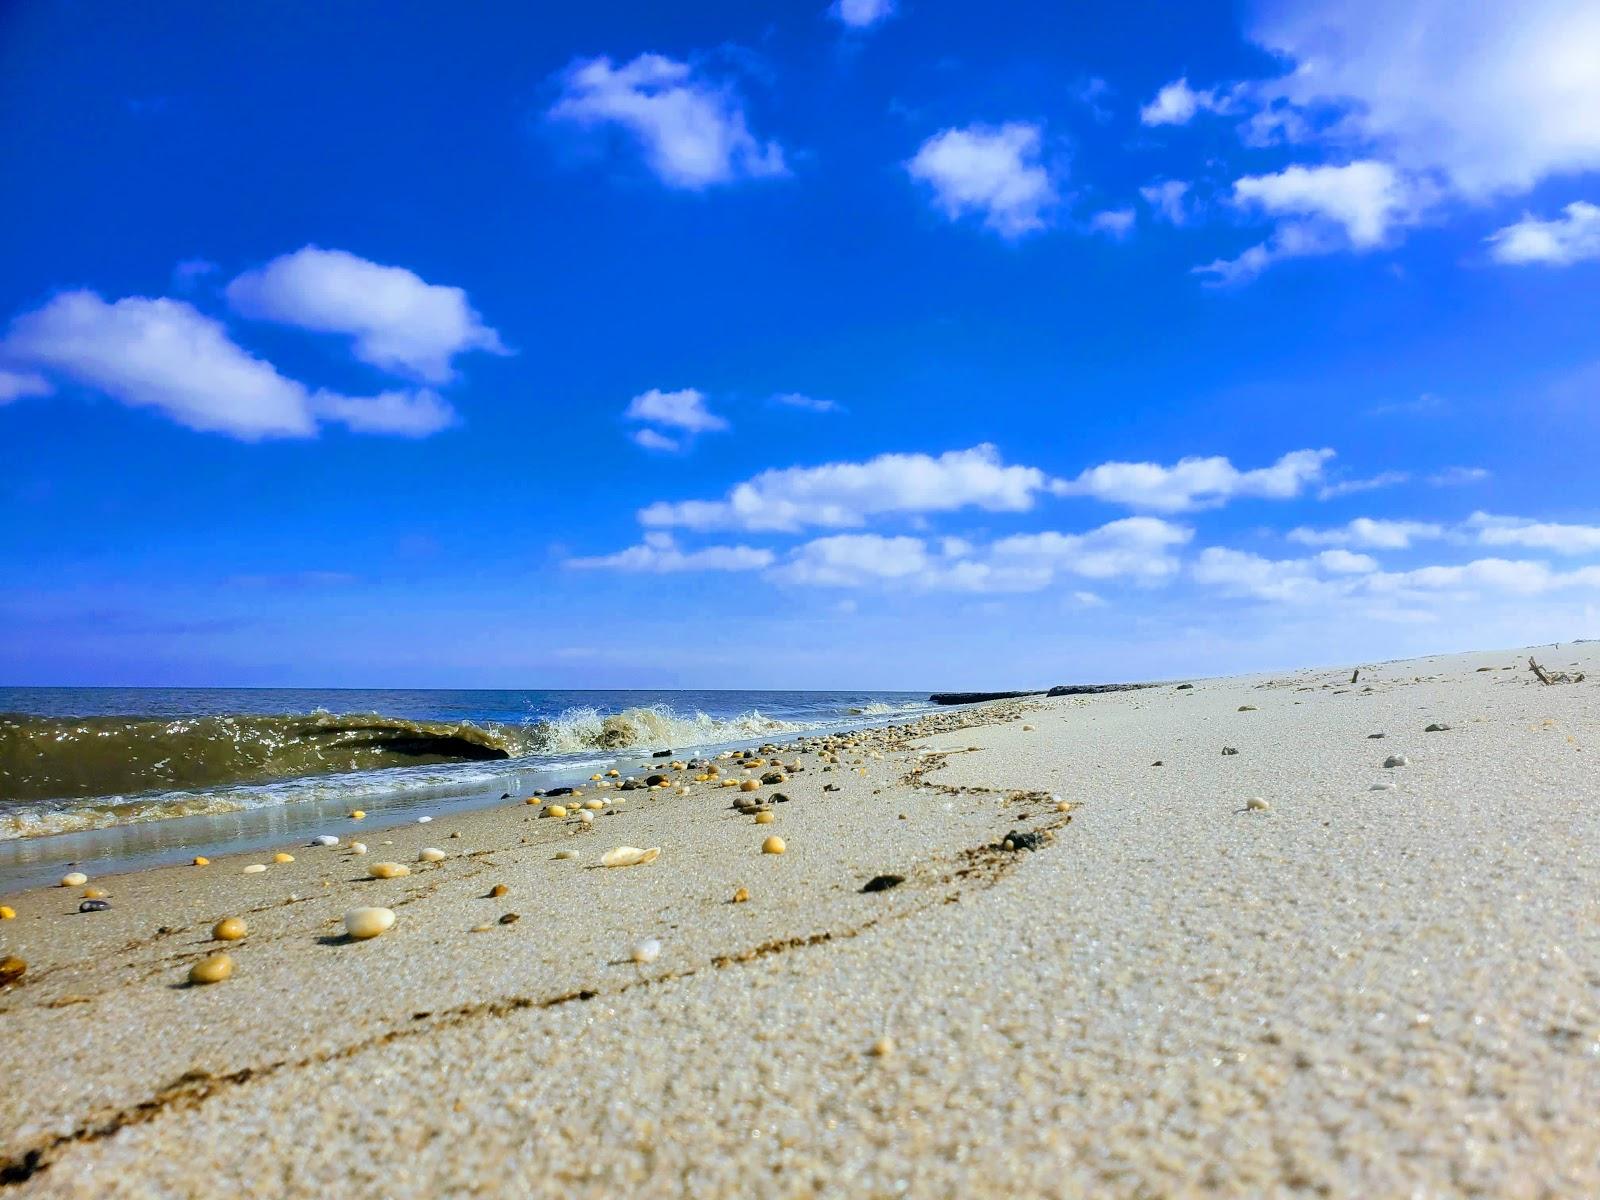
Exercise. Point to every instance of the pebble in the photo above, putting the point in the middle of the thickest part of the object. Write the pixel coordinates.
(629, 856)
(1256, 804)
(882, 1048)
(749, 785)
(74, 879)
(498, 890)
(201, 861)
(510, 918)
(95, 893)
(281, 857)
(7, 913)
(423, 820)
(773, 845)
(211, 969)
(229, 929)
(12, 969)
(586, 817)
(357, 815)
(1397, 760)
(740, 895)
(388, 870)
(431, 854)
(94, 906)
(363, 923)
(1229, 750)
(558, 811)
(1381, 787)
(646, 951)
(325, 839)
(882, 883)
(255, 868)
(1437, 727)
(1247, 708)
(566, 854)
(765, 818)
(1027, 729)
(358, 847)
(594, 805)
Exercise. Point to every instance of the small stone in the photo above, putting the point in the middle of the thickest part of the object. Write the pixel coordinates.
(94, 906)
(388, 870)
(774, 777)
(1437, 727)
(773, 845)
(325, 839)
(213, 968)
(363, 923)
(357, 814)
(594, 805)
(358, 847)
(1381, 787)
(566, 854)
(882, 883)
(229, 929)
(423, 820)
(1247, 708)
(1027, 729)
(882, 1048)
(765, 818)
(255, 868)
(498, 890)
(1256, 804)
(510, 918)
(586, 817)
(556, 811)
(749, 785)
(7, 913)
(646, 951)
(95, 893)
(281, 857)
(740, 895)
(1396, 760)
(431, 854)
(1373, 736)
(1229, 750)
(74, 879)
(201, 861)
(12, 969)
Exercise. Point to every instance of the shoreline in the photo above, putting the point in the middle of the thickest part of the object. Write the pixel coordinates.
(1166, 991)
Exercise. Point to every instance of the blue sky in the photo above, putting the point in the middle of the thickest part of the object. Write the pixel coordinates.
(882, 345)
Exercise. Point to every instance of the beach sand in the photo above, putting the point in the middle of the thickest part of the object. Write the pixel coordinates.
(1351, 992)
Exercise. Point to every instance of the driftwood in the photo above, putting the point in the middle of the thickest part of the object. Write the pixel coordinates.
(1354, 675)
(1557, 677)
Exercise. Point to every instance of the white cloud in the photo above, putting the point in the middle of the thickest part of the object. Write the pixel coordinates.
(1369, 533)
(861, 14)
(1458, 476)
(1194, 482)
(1118, 222)
(166, 355)
(990, 171)
(1167, 199)
(1558, 243)
(843, 495)
(808, 403)
(1495, 96)
(1176, 103)
(14, 385)
(1346, 562)
(684, 409)
(399, 322)
(692, 130)
(650, 439)
(1535, 535)
(659, 553)
(1136, 548)
(1239, 573)
(1349, 487)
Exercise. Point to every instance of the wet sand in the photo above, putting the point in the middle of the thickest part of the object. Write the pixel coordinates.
(1352, 992)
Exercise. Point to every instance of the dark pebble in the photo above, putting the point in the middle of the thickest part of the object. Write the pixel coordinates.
(882, 883)
(1370, 736)
(1229, 750)
(1436, 727)
(662, 754)
(94, 906)
(1023, 841)
(561, 791)
(510, 918)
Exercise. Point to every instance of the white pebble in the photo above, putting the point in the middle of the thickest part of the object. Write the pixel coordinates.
(431, 854)
(255, 868)
(1381, 787)
(358, 847)
(1256, 804)
(1397, 760)
(368, 922)
(325, 839)
(647, 951)
(423, 820)
(74, 879)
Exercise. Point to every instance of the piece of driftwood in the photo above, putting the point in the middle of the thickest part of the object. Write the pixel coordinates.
(1354, 675)
(1553, 677)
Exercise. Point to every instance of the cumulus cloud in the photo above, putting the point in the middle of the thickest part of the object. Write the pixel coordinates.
(651, 439)
(861, 14)
(1195, 482)
(1494, 97)
(166, 355)
(992, 172)
(1138, 549)
(1167, 198)
(843, 495)
(399, 322)
(1553, 536)
(692, 130)
(1117, 222)
(1176, 103)
(14, 385)
(659, 553)
(1320, 210)
(1369, 533)
(1558, 243)
(807, 403)
(684, 409)
(1346, 562)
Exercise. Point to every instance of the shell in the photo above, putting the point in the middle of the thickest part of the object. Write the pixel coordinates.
(201, 860)
(628, 856)
(431, 854)
(388, 870)
(646, 951)
(363, 923)
(1256, 804)
(773, 845)
(212, 969)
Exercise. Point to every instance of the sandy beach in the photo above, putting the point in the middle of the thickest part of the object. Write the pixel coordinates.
(1385, 981)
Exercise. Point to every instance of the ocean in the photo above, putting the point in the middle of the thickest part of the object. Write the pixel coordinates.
(130, 777)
